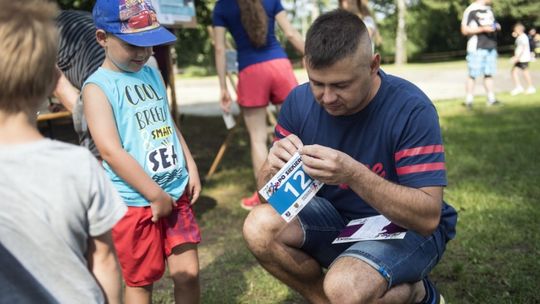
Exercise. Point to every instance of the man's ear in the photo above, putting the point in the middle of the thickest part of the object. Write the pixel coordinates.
(375, 63)
(101, 37)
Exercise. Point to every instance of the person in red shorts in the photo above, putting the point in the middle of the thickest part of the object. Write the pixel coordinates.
(144, 154)
(266, 74)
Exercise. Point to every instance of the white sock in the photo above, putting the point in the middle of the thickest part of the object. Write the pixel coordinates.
(491, 97)
(469, 98)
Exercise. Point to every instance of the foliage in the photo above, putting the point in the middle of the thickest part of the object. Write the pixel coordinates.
(194, 46)
(85, 5)
(433, 26)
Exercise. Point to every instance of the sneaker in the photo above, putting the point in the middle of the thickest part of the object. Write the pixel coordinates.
(467, 105)
(494, 103)
(433, 296)
(516, 91)
(530, 90)
(249, 202)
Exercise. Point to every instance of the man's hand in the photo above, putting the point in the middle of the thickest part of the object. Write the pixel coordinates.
(327, 165)
(161, 206)
(283, 150)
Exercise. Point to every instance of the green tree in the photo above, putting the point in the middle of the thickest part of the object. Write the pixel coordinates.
(194, 46)
(401, 33)
(85, 5)
(433, 26)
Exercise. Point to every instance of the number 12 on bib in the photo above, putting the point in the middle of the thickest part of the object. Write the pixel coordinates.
(290, 189)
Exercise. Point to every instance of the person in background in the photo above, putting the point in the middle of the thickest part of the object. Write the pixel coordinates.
(532, 43)
(479, 25)
(361, 8)
(266, 74)
(520, 61)
(79, 55)
(144, 153)
(58, 207)
(369, 21)
(375, 142)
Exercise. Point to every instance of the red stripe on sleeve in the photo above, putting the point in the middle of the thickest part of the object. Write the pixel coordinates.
(420, 168)
(282, 131)
(418, 151)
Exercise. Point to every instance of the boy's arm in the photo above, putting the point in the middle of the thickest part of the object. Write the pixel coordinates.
(104, 266)
(102, 126)
(194, 184)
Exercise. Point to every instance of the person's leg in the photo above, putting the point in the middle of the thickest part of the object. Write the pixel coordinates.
(135, 233)
(138, 295)
(489, 68)
(181, 234)
(255, 119)
(363, 284)
(488, 85)
(386, 271)
(469, 90)
(473, 67)
(515, 77)
(184, 270)
(276, 245)
(528, 80)
(253, 97)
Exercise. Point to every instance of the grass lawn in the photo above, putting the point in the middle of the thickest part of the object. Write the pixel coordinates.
(494, 183)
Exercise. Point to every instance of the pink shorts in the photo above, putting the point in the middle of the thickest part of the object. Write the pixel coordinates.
(143, 246)
(266, 81)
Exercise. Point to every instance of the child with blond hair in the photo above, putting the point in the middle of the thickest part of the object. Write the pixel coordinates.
(57, 206)
(144, 153)
(520, 61)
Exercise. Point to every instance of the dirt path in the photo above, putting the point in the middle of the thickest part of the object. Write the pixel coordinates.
(200, 96)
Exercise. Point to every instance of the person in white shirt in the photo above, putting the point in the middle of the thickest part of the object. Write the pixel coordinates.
(520, 60)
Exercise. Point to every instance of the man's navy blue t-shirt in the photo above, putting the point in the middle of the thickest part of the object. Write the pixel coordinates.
(397, 136)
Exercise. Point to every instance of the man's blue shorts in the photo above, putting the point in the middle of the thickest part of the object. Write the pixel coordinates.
(482, 62)
(398, 261)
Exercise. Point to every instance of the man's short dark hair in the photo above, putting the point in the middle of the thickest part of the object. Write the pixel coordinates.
(332, 37)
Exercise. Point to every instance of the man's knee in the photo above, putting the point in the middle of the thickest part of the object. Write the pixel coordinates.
(350, 280)
(261, 225)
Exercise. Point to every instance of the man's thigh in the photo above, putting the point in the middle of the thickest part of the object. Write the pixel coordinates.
(476, 63)
(398, 261)
(490, 62)
(321, 224)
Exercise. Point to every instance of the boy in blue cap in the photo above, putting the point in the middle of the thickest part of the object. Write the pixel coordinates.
(144, 154)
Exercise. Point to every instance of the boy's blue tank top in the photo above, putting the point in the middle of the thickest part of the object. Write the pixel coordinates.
(146, 130)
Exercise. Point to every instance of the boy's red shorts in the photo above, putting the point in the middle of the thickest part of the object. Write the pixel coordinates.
(143, 246)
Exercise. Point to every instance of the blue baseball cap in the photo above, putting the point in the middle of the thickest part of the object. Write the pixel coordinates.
(133, 21)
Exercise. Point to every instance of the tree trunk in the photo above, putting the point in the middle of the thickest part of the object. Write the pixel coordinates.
(401, 34)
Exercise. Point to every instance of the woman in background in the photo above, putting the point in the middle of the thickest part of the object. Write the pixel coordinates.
(361, 8)
(265, 75)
